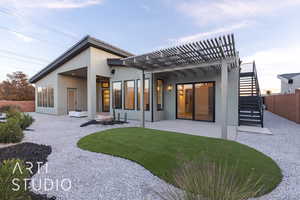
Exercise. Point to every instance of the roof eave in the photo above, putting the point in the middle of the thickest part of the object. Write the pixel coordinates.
(80, 46)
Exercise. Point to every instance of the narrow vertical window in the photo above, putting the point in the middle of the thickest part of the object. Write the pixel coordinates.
(129, 95)
(44, 97)
(160, 93)
(117, 95)
(50, 97)
(39, 93)
(146, 94)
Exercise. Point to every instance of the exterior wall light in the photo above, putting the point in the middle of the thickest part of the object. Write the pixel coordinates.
(170, 87)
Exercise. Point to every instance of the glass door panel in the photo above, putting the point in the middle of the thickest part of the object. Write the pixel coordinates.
(204, 101)
(185, 101)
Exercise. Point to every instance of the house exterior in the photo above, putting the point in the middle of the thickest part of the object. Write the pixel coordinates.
(289, 82)
(196, 81)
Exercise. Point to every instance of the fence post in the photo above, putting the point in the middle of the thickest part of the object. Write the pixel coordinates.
(297, 96)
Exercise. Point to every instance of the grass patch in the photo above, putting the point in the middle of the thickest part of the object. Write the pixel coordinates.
(159, 152)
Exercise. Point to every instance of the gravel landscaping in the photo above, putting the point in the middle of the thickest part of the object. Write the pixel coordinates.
(28, 152)
(284, 147)
(100, 176)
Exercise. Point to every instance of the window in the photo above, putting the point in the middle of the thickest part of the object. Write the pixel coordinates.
(39, 97)
(160, 93)
(45, 97)
(129, 95)
(146, 94)
(117, 95)
(50, 97)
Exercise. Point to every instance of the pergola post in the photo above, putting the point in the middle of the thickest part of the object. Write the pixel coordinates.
(224, 95)
(142, 100)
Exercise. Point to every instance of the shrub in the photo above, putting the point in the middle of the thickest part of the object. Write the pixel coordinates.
(10, 110)
(25, 120)
(11, 132)
(7, 175)
(209, 180)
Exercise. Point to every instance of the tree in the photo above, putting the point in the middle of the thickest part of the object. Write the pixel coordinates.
(16, 87)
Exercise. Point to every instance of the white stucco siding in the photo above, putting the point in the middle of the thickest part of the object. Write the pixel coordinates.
(169, 111)
(123, 74)
(47, 81)
(233, 77)
(99, 62)
(60, 84)
(290, 88)
(80, 85)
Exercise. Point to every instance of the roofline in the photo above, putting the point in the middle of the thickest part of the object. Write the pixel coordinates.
(280, 76)
(76, 49)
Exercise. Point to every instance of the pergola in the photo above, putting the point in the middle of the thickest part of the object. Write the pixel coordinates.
(218, 53)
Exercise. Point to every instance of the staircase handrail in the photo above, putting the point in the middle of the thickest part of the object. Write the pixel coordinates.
(258, 92)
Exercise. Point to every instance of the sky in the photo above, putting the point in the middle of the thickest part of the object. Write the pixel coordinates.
(35, 32)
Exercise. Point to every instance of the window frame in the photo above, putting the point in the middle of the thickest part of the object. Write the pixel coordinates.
(138, 103)
(113, 95)
(163, 98)
(134, 89)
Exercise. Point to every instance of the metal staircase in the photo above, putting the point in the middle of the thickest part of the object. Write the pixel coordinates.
(250, 101)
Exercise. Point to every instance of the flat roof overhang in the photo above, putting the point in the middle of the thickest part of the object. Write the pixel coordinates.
(206, 53)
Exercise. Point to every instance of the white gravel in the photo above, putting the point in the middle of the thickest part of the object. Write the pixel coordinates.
(284, 147)
(98, 176)
(93, 175)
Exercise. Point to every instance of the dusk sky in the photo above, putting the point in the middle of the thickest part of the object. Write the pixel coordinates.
(35, 32)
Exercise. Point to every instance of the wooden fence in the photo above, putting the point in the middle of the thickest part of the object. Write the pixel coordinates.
(285, 105)
(25, 106)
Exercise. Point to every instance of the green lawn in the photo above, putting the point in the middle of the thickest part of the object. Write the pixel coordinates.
(159, 152)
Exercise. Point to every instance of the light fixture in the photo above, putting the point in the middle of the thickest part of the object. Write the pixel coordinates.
(170, 87)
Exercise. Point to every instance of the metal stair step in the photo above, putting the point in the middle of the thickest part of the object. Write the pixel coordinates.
(256, 117)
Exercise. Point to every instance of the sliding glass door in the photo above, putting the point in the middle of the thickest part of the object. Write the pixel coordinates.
(185, 101)
(196, 101)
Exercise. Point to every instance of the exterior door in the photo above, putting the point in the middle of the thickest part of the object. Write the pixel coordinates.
(72, 99)
(105, 99)
(185, 101)
(196, 101)
(204, 101)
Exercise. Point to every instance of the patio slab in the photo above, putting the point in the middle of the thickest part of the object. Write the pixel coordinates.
(206, 129)
(254, 129)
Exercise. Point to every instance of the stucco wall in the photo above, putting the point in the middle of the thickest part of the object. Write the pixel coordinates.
(169, 111)
(290, 88)
(51, 80)
(124, 74)
(66, 82)
(233, 76)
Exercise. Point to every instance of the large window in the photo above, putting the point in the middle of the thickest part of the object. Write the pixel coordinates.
(45, 97)
(146, 94)
(117, 95)
(196, 101)
(129, 95)
(160, 94)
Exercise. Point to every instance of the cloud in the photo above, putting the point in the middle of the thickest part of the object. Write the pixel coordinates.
(272, 62)
(146, 7)
(52, 4)
(219, 10)
(198, 36)
(23, 37)
(19, 35)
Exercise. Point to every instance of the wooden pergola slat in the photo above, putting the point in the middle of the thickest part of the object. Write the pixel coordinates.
(205, 51)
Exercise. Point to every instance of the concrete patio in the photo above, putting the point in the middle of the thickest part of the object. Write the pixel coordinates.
(207, 129)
